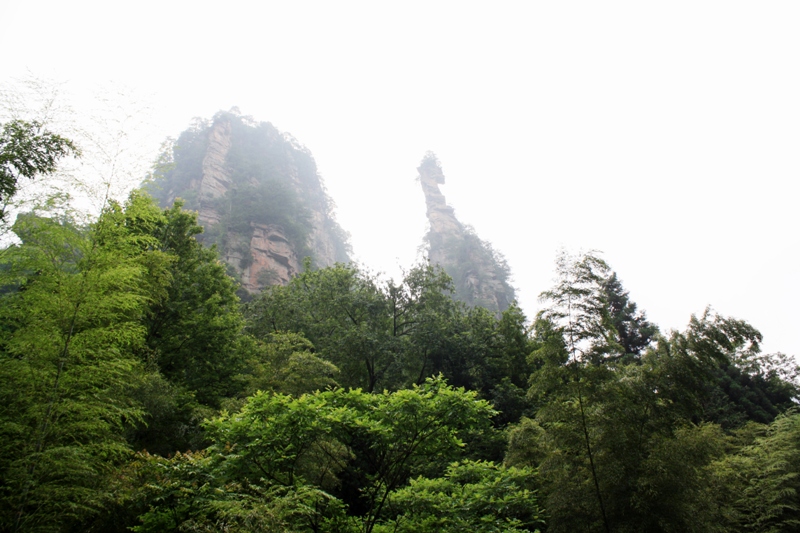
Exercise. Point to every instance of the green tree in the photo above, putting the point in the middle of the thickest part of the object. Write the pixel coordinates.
(194, 331)
(758, 485)
(751, 386)
(579, 308)
(412, 432)
(191, 492)
(634, 332)
(379, 336)
(624, 446)
(578, 325)
(26, 151)
(471, 496)
(71, 324)
(194, 343)
(341, 312)
(286, 363)
(622, 443)
(310, 449)
(391, 335)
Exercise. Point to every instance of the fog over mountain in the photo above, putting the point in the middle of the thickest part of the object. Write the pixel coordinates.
(362, 267)
(662, 135)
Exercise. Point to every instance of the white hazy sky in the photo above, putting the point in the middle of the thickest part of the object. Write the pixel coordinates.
(666, 134)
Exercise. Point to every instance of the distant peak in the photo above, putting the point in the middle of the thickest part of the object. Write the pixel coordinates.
(480, 273)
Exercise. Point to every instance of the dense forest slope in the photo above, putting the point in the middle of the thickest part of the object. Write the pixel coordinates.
(480, 274)
(258, 196)
(138, 393)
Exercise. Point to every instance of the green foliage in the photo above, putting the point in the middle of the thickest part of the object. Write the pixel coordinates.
(390, 335)
(474, 264)
(471, 496)
(748, 385)
(579, 308)
(189, 492)
(620, 442)
(407, 433)
(273, 459)
(28, 150)
(741, 394)
(634, 331)
(194, 329)
(171, 418)
(285, 363)
(354, 323)
(71, 324)
(760, 482)
(180, 163)
(340, 311)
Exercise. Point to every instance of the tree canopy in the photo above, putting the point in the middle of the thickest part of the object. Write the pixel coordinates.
(138, 393)
(28, 150)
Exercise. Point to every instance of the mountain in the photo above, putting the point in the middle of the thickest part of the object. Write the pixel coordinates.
(260, 199)
(480, 273)
(258, 196)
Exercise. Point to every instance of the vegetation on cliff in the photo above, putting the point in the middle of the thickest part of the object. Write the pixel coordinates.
(240, 175)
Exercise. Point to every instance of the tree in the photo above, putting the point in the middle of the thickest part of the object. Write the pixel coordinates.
(379, 336)
(194, 345)
(192, 492)
(595, 310)
(410, 432)
(634, 332)
(474, 496)
(626, 445)
(286, 363)
(385, 334)
(70, 326)
(341, 312)
(310, 449)
(758, 484)
(194, 330)
(26, 151)
(751, 386)
(579, 308)
(579, 316)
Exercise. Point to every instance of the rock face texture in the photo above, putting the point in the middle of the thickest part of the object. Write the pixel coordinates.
(258, 197)
(441, 217)
(214, 180)
(480, 274)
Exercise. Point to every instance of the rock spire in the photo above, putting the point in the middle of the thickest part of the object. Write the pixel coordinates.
(258, 196)
(480, 274)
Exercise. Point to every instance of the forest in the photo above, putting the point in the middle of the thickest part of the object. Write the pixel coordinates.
(139, 392)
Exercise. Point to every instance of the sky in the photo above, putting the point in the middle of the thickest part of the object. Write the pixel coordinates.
(664, 134)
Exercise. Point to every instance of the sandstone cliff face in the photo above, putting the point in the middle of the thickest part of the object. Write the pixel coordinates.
(226, 169)
(479, 273)
(441, 217)
(265, 258)
(321, 241)
(214, 181)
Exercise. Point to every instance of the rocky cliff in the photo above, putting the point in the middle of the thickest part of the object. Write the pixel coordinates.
(258, 196)
(480, 274)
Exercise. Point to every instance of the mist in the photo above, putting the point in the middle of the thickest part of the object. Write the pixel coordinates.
(664, 136)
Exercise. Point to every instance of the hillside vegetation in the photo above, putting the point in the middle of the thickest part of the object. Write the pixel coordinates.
(138, 392)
